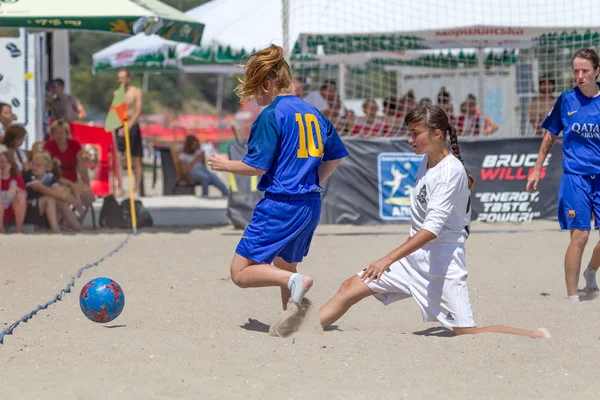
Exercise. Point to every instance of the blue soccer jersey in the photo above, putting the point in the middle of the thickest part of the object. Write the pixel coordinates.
(289, 140)
(578, 117)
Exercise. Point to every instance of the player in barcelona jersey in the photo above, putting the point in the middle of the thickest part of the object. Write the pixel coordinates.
(576, 114)
(295, 149)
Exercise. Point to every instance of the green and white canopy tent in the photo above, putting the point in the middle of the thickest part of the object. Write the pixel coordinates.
(126, 17)
(231, 32)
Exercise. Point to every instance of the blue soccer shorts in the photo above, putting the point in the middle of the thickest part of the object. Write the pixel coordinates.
(578, 200)
(281, 226)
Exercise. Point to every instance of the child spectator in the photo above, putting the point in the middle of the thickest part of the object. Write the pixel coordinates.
(12, 192)
(47, 202)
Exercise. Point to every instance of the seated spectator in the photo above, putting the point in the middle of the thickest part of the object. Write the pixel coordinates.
(325, 97)
(408, 102)
(12, 192)
(47, 202)
(300, 85)
(425, 101)
(13, 139)
(393, 118)
(370, 124)
(6, 118)
(342, 119)
(469, 121)
(74, 173)
(191, 161)
(395, 109)
(444, 101)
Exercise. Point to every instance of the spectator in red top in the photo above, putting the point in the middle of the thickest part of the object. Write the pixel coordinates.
(469, 120)
(70, 155)
(444, 101)
(13, 139)
(370, 124)
(394, 110)
(12, 192)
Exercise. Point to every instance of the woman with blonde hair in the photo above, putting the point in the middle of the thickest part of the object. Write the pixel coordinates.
(74, 173)
(295, 149)
(47, 202)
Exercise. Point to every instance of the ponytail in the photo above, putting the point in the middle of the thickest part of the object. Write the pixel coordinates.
(456, 151)
(262, 66)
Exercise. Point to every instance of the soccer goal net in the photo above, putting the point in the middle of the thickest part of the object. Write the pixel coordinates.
(497, 67)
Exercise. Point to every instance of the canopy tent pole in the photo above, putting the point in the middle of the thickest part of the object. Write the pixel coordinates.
(285, 17)
(341, 84)
(145, 80)
(220, 86)
(481, 86)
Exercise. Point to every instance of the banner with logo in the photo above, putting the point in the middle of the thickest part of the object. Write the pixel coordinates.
(17, 83)
(501, 168)
(372, 185)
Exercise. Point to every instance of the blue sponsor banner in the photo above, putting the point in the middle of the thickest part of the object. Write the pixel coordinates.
(396, 174)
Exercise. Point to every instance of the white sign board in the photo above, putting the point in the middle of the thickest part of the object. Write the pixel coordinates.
(17, 83)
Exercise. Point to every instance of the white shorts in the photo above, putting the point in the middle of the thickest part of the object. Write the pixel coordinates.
(436, 277)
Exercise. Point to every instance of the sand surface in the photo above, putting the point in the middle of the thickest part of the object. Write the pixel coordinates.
(188, 332)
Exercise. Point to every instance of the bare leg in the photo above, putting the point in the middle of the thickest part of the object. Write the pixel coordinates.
(1, 216)
(573, 256)
(19, 206)
(47, 205)
(84, 193)
(246, 274)
(589, 274)
(351, 292)
(137, 169)
(285, 292)
(69, 216)
(595, 261)
(539, 333)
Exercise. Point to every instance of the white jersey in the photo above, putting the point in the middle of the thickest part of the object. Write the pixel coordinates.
(440, 201)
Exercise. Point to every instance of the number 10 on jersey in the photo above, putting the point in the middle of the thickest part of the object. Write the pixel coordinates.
(313, 149)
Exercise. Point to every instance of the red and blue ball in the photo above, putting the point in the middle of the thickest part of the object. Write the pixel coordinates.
(102, 300)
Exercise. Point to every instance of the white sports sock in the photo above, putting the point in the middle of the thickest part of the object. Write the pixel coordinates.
(589, 270)
(295, 286)
(590, 279)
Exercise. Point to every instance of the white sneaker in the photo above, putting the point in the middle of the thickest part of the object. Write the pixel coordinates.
(296, 287)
